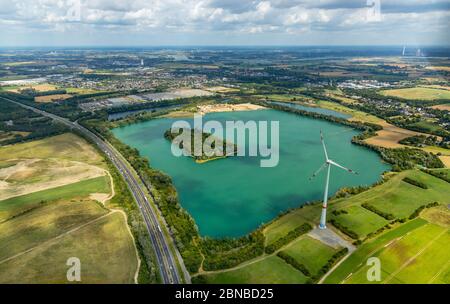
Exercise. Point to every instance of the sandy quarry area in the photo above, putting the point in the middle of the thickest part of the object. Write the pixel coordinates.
(32, 175)
(204, 109)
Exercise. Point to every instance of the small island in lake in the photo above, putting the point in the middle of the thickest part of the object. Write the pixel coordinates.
(218, 148)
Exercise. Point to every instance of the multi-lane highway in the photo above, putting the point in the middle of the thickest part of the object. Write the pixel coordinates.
(166, 259)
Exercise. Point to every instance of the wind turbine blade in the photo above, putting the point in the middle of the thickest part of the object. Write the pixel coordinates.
(342, 167)
(318, 171)
(323, 144)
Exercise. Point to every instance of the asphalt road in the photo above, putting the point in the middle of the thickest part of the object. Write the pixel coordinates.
(165, 259)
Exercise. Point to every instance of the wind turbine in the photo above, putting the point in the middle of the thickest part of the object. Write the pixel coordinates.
(328, 163)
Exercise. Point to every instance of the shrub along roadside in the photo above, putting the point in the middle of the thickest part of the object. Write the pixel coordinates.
(344, 229)
(292, 235)
(415, 183)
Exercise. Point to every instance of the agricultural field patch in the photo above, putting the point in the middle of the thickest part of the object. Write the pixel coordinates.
(51, 98)
(32, 175)
(52, 208)
(418, 93)
(443, 154)
(25, 230)
(66, 146)
(438, 215)
(355, 114)
(421, 256)
(270, 270)
(80, 91)
(360, 220)
(103, 245)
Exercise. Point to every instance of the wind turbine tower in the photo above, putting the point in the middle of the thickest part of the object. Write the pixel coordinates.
(327, 165)
(404, 51)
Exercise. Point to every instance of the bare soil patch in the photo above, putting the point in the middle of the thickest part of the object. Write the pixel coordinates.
(204, 109)
(51, 98)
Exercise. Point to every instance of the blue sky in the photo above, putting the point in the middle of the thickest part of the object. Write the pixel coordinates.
(225, 22)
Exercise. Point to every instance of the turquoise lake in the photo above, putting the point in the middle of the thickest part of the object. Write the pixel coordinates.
(233, 196)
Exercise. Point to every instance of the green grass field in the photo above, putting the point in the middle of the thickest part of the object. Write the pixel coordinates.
(402, 199)
(310, 252)
(360, 220)
(15, 205)
(283, 225)
(7, 164)
(395, 197)
(428, 126)
(271, 270)
(419, 93)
